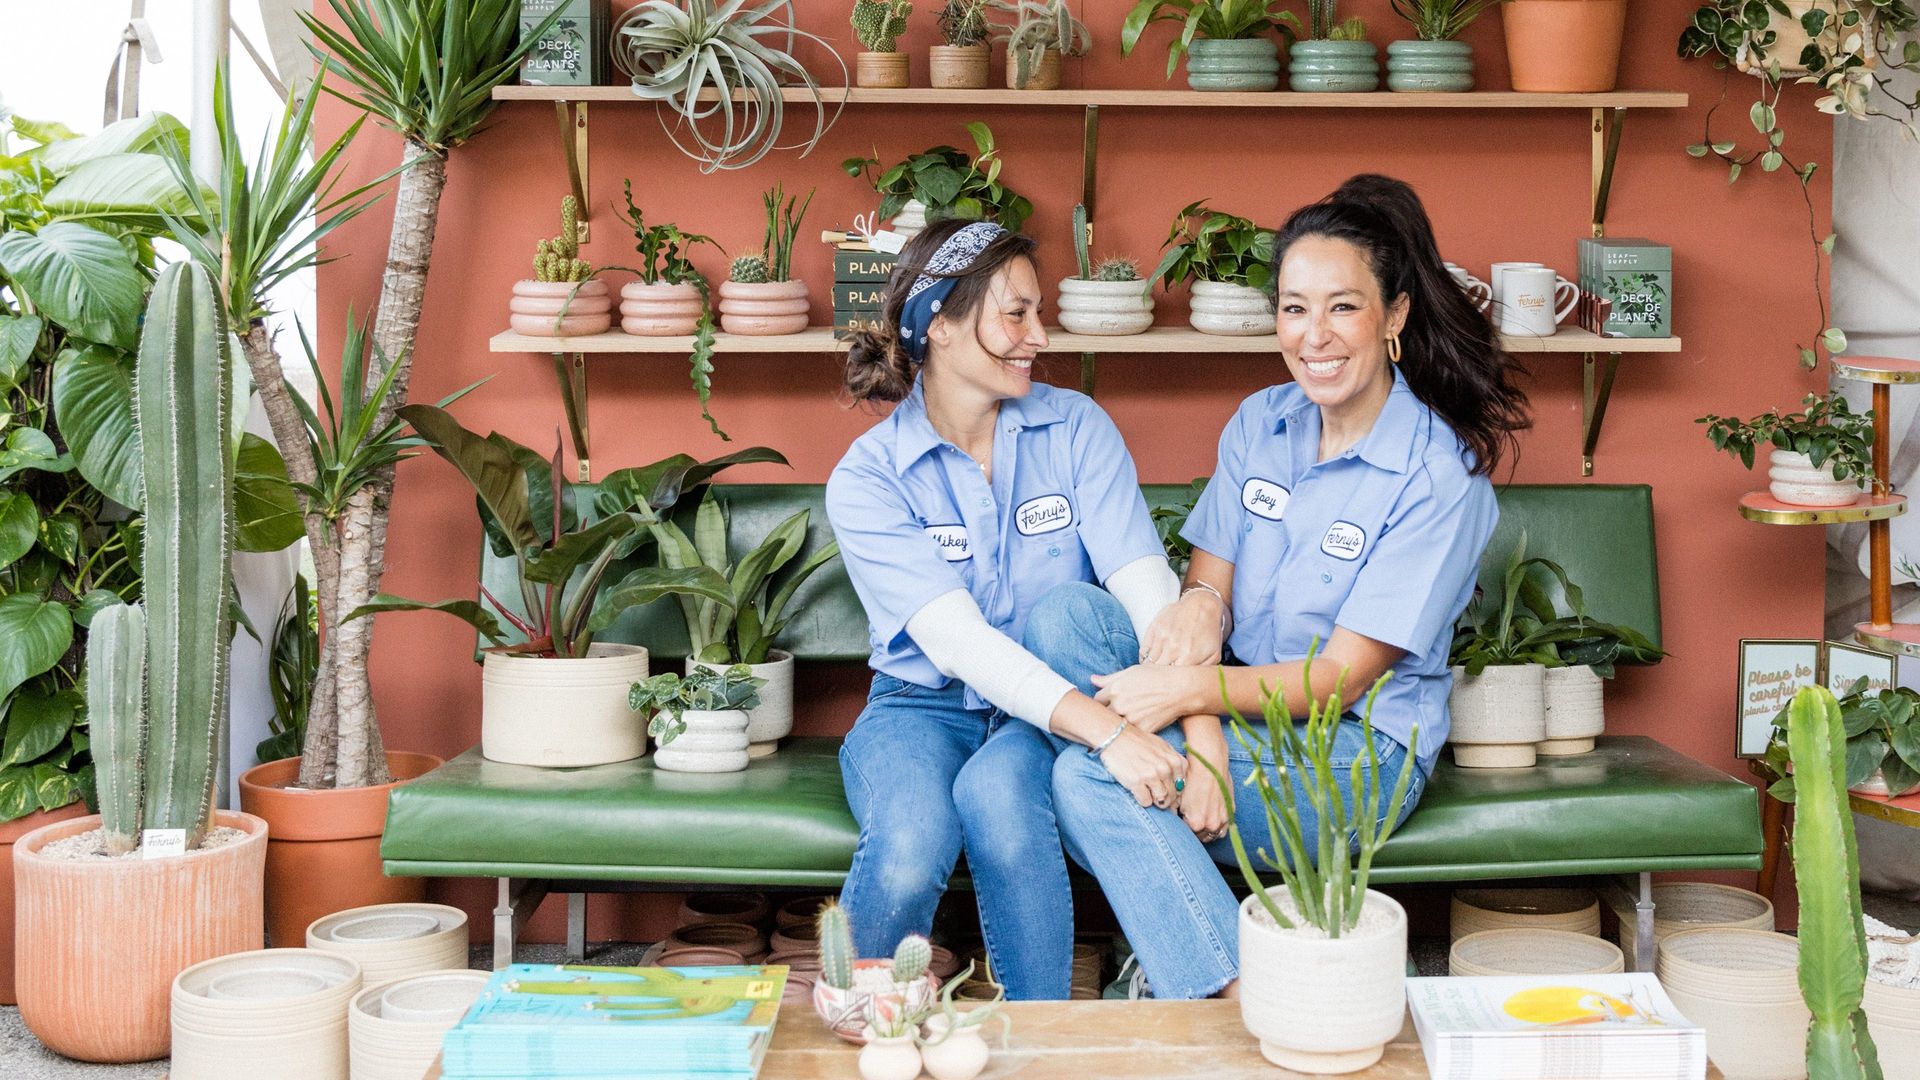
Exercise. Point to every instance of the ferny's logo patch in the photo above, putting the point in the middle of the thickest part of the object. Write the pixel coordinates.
(1048, 513)
(1344, 540)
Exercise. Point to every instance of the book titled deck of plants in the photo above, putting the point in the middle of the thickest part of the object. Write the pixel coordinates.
(577, 1020)
(573, 52)
(1626, 287)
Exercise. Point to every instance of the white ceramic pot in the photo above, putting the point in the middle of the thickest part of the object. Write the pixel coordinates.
(960, 1054)
(1498, 716)
(1576, 711)
(772, 719)
(1876, 784)
(1893, 1019)
(1105, 308)
(1793, 479)
(1528, 951)
(911, 218)
(286, 1008)
(714, 741)
(394, 1031)
(1229, 310)
(1572, 910)
(558, 713)
(889, 1059)
(1743, 987)
(1321, 1005)
(1694, 905)
(394, 941)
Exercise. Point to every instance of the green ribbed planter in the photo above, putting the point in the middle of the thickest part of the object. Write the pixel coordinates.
(1338, 67)
(1233, 64)
(1429, 66)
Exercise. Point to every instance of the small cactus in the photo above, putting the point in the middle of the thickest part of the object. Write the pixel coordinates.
(1116, 270)
(749, 269)
(877, 23)
(1354, 29)
(1082, 239)
(836, 946)
(911, 958)
(559, 259)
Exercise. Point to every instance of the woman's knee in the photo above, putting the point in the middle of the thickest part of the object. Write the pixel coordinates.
(911, 854)
(1067, 612)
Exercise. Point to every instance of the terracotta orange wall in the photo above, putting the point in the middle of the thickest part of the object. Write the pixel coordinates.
(1499, 185)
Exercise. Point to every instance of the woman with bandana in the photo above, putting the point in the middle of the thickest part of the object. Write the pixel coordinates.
(978, 495)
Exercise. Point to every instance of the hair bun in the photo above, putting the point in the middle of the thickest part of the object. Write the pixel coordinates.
(878, 369)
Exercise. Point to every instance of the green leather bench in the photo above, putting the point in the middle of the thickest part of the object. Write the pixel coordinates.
(1631, 807)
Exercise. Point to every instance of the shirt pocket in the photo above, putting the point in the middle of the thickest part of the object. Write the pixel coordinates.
(1040, 563)
(1325, 566)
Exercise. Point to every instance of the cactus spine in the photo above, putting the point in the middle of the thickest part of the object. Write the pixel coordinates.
(1082, 240)
(116, 666)
(836, 946)
(911, 958)
(749, 269)
(877, 23)
(559, 259)
(1826, 869)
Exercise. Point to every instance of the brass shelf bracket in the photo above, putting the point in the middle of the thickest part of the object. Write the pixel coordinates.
(573, 394)
(1089, 174)
(1606, 148)
(1596, 386)
(573, 145)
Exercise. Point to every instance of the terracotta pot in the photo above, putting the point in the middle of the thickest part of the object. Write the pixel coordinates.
(659, 310)
(887, 70)
(1792, 478)
(1318, 1004)
(554, 309)
(1573, 910)
(394, 941)
(958, 67)
(324, 852)
(1045, 77)
(763, 308)
(1564, 46)
(288, 1007)
(699, 956)
(101, 941)
(800, 912)
(772, 719)
(559, 713)
(799, 937)
(1216, 307)
(737, 937)
(1528, 951)
(10, 832)
(1497, 716)
(1576, 711)
(738, 907)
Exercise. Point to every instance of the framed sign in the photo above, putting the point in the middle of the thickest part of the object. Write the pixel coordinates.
(1848, 664)
(1772, 670)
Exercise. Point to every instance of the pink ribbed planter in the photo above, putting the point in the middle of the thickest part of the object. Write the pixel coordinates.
(764, 307)
(659, 310)
(553, 309)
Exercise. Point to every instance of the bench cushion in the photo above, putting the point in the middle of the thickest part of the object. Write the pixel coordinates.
(1631, 805)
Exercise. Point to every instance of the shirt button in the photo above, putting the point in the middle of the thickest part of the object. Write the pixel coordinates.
(1328, 578)
(1054, 551)
(1249, 526)
(984, 501)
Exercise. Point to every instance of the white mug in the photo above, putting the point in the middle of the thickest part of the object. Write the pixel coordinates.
(1478, 291)
(1493, 279)
(1536, 299)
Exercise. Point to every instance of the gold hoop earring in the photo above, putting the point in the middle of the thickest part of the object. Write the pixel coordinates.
(1393, 348)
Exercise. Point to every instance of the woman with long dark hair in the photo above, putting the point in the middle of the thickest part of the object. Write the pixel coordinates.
(1350, 508)
(981, 493)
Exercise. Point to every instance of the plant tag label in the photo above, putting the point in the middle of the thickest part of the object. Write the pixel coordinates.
(954, 543)
(888, 241)
(161, 843)
(1264, 498)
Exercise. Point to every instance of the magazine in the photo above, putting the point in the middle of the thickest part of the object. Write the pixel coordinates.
(1554, 1027)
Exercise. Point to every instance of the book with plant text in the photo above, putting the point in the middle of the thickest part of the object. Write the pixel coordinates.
(1554, 1027)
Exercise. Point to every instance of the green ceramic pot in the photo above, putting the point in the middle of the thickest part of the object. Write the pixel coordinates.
(1333, 67)
(1233, 64)
(1430, 66)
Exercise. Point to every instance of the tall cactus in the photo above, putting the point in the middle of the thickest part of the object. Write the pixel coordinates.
(116, 719)
(1826, 870)
(836, 946)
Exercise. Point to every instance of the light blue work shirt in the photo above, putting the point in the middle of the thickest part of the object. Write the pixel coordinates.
(916, 517)
(1384, 539)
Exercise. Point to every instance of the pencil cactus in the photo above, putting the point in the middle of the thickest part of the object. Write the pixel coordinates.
(836, 946)
(877, 23)
(1081, 240)
(1826, 869)
(116, 666)
(749, 269)
(912, 958)
(559, 259)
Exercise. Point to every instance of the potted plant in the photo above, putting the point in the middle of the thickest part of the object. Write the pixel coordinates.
(738, 626)
(670, 299)
(1563, 46)
(101, 936)
(1335, 57)
(953, 1045)
(1229, 260)
(1821, 457)
(1882, 731)
(962, 60)
(947, 183)
(1228, 43)
(738, 54)
(761, 295)
(1323, 958)
(1104, 300)
(562, 299)
(1574, 689)
(698, 723)
(878, 24)
(851, 993)
(1041, 33)
(1434, 60)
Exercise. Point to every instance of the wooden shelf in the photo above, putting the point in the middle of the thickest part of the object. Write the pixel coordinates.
(1764, 508)
(1877, 369)
(1159, 339)
(1274, 99)
(1898, 638)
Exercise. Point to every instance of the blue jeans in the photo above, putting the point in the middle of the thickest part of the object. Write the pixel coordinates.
(927, 778)
(1177, 910)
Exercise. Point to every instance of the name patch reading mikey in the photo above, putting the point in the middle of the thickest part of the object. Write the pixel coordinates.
(952, 541)
(1048, 513)
(1344, 540)
(1264, 498)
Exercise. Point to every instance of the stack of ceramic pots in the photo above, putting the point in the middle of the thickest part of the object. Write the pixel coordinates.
(393, 941)
(279, 1009)
(1689, 905)
(1573, 910)
(1529, 951)
(1743, 987)
(394, 1031)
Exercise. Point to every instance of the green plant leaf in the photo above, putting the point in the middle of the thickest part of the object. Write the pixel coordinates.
(1697, 150)
(650, 583)
(497, 477)
(79, 277)
(1771, 161)
(143, 133)
(17, 798)
(1826, 243)
(1834, 339)
(469, 611)
(556, 563)
(93, 399)
(60, 536)
(135, 190)
(36, 723)
(1864, 755)
(92, 603)
(19, 525)
(18, 336)
(34, 634)
(266, 508)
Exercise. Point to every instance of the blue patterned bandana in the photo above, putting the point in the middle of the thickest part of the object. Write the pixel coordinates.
(930, 289)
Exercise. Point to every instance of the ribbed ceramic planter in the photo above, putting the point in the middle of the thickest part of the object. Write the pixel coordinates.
(715, 741)
(1497, 716)
(886, 70)
(763, 308)
(277, 1012)
(1694, 905)
(746, 940)
(99, 941)
(1528, 951)
(659, 310)
(1576, 711)
(772, 719)
(1105, 308)
(561, 714)
(1429, 67)
(909, 219)
(1893, 1019)
(1233, 64)
(1743, 987)
(844, 1011)
(555, 309)
(1044, 77)
(750, 908)
(1229, 310)
(1318, 1004)
(958, 67)
(1574, 911)
(394, 941)
(1563, 46)
(10, 832)
(1792, 478)
(394, 1031)
(1333, 67)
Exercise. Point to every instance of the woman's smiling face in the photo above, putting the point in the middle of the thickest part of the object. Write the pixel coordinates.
(994, 349)
(1333, 324)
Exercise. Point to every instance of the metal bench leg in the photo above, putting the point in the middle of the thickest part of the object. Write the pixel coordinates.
(576, 926)
(519, 898)
(1643, 926)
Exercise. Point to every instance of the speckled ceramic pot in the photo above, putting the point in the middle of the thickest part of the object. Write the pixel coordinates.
(1792, 478)
(1233, 64)
(1105, 308)
(1429, 66)
(1338, 67)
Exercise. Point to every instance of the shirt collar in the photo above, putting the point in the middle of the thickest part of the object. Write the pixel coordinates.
(914, 436)
(1389, 445)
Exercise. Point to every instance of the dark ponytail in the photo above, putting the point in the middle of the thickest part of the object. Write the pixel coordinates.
(878, 366)
(1452, 359)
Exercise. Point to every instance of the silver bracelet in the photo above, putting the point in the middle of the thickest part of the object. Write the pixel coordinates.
(1108, 741)
(1226, 609)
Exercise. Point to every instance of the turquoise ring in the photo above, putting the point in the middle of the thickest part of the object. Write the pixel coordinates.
(1179, 785)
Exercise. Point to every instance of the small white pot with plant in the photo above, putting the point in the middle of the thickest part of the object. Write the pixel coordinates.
(953, 1043)
(1574, 690)
(1883, 743)
(1104, 300)
(944, 182)
(761, 296)
(1229, 260)
(698, 722)
(962, 59)
(851, 995)
(1041, 33)
(1821, 457)
(878, 24)
(1323, 959)
(1500, 654)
